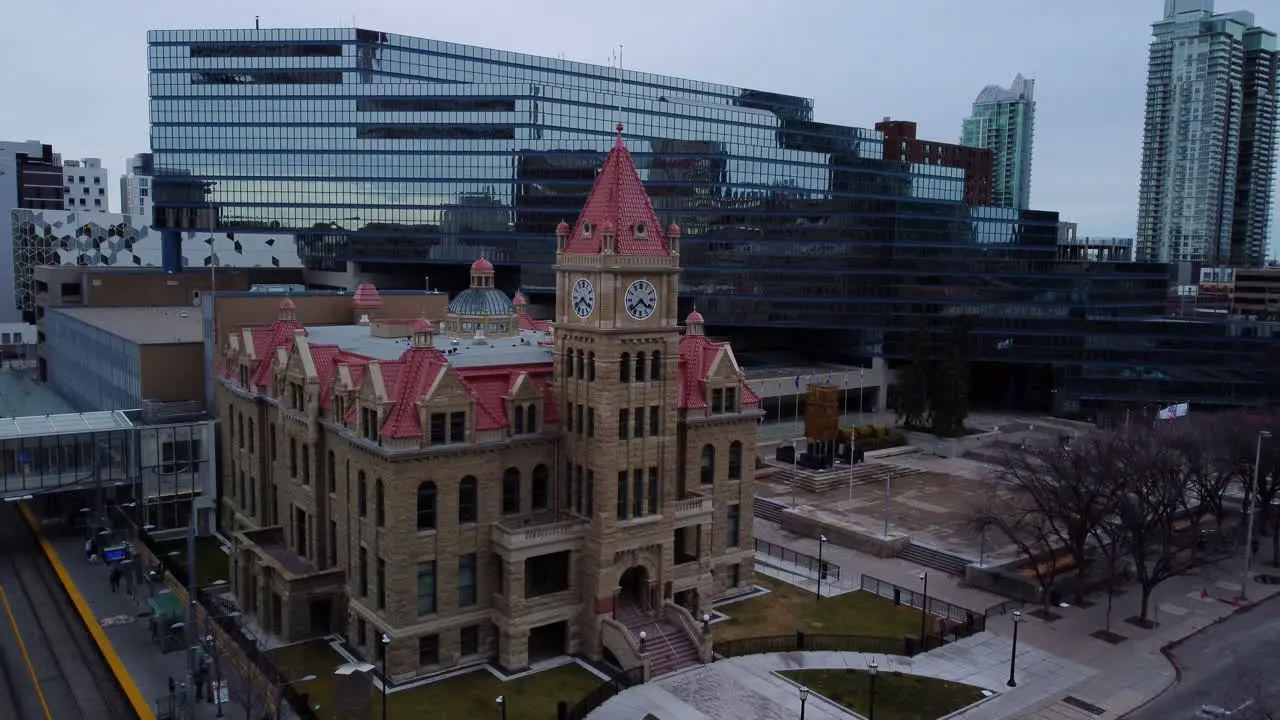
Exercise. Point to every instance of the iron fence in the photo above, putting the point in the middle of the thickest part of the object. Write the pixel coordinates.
(809, 563)
(972, 619)
(906, 646)
(617, 682)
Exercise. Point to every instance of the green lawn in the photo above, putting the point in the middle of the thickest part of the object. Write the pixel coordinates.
(211, 563)
(789, 608)
(898, 697)
(533, 697)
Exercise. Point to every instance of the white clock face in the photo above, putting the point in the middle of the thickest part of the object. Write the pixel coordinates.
(583, 298)
(641, 299)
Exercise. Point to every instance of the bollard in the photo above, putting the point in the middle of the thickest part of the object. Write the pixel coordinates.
(897, 596)
(799, 639)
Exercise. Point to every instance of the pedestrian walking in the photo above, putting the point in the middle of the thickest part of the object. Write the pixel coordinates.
(88, 549)
(116, 575)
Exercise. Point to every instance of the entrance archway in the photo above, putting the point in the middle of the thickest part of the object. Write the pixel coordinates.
(633, 587)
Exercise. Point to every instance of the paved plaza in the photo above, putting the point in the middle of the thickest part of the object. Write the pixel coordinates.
(749, 686)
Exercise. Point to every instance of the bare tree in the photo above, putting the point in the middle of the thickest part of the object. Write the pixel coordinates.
(1216, 451)
(1153, 522)
(1024, 526)
(1066, 489)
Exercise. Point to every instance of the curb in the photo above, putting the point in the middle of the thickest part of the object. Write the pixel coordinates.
(1167, 649)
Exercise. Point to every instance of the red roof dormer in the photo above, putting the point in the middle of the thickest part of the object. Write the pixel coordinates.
(618, 203)
(366, 296)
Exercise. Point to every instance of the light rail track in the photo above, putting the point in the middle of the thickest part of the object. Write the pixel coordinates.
(73, 681)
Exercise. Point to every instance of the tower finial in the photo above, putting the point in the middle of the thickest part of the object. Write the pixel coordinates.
(619, 133)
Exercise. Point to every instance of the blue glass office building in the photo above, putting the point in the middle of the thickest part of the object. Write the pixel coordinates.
(418, 156)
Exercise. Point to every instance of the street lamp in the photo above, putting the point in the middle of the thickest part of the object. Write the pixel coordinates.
(386, 641)
(1249, 501)
(924, 606)
(804, 697)
(873, 668)
(643, 635)
(795, 469)
(280, 697)
(1013, 654)
(502, 702)
(822, 568)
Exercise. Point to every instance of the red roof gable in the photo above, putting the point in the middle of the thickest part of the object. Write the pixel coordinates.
(618, 202)
(697, 352)
(528, 323)
(265, 342)
(409, 379)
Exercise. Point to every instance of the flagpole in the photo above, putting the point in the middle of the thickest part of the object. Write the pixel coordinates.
(845, 412)
(797, 401)
(862, 375)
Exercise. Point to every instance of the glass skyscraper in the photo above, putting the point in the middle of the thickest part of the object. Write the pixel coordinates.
(1003, 121)
(1209, 137)
(407, 156)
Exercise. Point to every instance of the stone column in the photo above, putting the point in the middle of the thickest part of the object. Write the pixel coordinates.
(513, 648)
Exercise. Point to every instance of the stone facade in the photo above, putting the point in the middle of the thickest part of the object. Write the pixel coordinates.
(473, 519)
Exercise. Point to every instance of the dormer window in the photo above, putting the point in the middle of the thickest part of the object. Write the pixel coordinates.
(586, 229)
(640, 230)
(724, 400)
(297, 398)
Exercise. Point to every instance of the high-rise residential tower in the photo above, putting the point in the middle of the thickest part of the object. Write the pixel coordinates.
(1003, 121)
(85, 185)
(135, 185)
(1208, 151)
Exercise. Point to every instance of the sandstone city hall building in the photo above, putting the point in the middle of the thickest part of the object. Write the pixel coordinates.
(488, 487)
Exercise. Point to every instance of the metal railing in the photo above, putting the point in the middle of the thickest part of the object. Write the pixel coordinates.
(799, 559)
(973, 619)
(800, 641)
(618, 682)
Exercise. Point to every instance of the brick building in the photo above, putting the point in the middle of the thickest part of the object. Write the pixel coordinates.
(901, 144)
(493, 487)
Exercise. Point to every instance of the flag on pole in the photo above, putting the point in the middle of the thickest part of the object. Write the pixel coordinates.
(1174, 411)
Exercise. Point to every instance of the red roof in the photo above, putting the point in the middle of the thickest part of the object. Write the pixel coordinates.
(528, 323)
(410, 378)
(618, 200)
(694, 317)
(697, 353)
(366, 296)
(265, 343)
(481, 266)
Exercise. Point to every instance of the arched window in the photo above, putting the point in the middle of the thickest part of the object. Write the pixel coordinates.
(468, 500)
(624, 368)
(735, 460)
(531, 418)
(540, 488)
(640, 374)
(591, 367)
(427, 505)
(240, 429)
(708, 465)
(581, 366)
(253, 445)
(655, 366)
(511, 491)
(379, 503)
(362, 494)
(306, 464)
(517, 424)
(332, 473)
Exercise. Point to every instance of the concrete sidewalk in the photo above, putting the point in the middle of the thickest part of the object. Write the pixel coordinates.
(749, 686)
(125, 622)
(1125, 674)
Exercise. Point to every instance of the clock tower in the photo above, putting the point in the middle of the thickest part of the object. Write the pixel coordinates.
(617, 354)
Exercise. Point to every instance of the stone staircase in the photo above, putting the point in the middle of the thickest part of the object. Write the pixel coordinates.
(837, 477)
(934, 559)
(767, 509)
(668, 647)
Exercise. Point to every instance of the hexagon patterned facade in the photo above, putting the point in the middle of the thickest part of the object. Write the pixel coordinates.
(61, 237)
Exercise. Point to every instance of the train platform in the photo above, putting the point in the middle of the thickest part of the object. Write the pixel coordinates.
(121, 620)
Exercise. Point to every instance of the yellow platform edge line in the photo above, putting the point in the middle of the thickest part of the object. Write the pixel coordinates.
(139, 703)
(26, 658)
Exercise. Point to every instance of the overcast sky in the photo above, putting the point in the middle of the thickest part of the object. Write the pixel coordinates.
(75, 71)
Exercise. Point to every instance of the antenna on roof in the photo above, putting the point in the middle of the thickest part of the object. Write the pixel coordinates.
(257, 24)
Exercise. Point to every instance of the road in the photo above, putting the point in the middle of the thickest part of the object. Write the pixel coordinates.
(1230, 666)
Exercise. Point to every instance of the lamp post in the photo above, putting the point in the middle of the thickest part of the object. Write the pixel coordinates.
(924, 606)
(280, 694)
(873, 668)
(1249, 501)
(1013, 654)
(502, 703)
(804, 697)
(795, 469)
(822, 567)
(888, 498)
(642, 636)
(386, 642)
